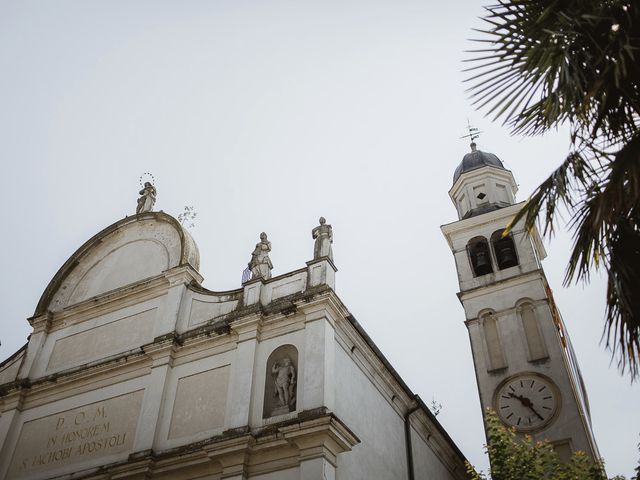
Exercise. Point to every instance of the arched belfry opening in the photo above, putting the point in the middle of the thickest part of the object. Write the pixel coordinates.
(504, 249)
(480, 256)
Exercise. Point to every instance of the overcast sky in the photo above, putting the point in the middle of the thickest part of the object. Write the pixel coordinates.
(264, 115)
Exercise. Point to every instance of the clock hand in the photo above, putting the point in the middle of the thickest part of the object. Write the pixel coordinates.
(527, 403)
(535, 411)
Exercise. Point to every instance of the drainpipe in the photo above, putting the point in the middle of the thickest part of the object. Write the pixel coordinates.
(407, 437)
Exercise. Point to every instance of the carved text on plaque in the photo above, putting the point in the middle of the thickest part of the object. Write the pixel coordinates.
(77, 436)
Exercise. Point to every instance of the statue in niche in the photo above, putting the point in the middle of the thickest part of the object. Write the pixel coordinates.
(260, 263)
(285, 380)
(323, 234)
(147, 198)
(281, 382)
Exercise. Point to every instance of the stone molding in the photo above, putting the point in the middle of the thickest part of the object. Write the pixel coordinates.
(239, 453)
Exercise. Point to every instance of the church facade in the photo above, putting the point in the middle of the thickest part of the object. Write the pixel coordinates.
(135, 370)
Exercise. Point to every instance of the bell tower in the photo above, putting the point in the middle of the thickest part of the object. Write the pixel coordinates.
(525, 366)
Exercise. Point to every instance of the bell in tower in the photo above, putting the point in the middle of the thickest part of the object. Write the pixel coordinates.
(480, 256)
(505, 250)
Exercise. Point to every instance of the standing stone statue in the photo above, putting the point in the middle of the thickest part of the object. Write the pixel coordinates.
(285, 379)
(323, 235)
(260, 263)
(147, 198)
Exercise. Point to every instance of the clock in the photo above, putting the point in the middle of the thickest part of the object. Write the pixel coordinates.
(527, 401)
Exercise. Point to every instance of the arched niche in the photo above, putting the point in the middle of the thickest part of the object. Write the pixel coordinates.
(493, 344)
(537, 349)
(129, 251)
(479, 256)
(281, 382)
(504, 249)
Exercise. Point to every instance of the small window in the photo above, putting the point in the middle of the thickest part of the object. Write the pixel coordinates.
(479, 255)
(480, 193)
(504, 249)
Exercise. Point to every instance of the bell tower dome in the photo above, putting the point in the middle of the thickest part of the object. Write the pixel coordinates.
(481, 184)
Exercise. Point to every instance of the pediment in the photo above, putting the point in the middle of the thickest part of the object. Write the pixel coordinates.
(129, 251)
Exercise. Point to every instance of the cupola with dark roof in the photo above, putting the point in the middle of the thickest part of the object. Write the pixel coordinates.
(476, 159)
(481, 184)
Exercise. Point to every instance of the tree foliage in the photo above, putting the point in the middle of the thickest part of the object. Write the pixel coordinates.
(523, 458)
(551, 62)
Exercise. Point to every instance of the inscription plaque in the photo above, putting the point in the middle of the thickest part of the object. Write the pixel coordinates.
(78, 436)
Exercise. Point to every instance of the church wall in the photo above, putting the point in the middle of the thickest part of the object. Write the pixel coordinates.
(426, 464)
(381, 453)
(9, 371)
(101, 340)
(201, 308)
(195, 401)
(97, 338)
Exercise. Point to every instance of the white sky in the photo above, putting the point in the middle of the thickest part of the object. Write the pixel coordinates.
(265, 115)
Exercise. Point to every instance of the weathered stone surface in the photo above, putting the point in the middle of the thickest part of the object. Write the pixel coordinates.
(200, 402)
(103, 340)
(202, 310)
(77, 437)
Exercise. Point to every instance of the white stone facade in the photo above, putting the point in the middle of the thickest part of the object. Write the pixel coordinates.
(134, 370)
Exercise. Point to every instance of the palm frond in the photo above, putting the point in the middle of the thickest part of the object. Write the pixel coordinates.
(544, 63)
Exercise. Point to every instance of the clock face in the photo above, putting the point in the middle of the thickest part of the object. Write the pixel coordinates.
(527, 402)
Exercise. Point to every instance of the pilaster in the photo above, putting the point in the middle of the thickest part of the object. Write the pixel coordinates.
(319, 360)
(242, 371)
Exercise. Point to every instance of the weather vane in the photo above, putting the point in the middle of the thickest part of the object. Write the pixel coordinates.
(187, 217)
(473, 134)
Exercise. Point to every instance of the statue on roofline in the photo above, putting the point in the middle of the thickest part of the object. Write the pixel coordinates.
(323, 234)
(147, 198)
(260, 263)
